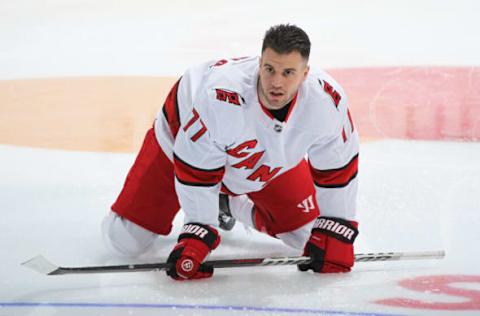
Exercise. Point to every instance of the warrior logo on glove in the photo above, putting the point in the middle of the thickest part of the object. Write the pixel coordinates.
(334, 228)
(196, 230)
(330, 245)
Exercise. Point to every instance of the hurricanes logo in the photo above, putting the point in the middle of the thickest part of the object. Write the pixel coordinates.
(229, 96)
(187, 265)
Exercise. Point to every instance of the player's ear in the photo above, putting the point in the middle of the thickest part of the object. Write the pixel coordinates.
(305, 73)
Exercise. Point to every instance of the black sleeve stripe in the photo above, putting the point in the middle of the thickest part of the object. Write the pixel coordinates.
(196, 184)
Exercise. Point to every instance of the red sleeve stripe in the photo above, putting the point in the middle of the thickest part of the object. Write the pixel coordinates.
(190, 175)
(344, 135)
(336, 178)
(351, 120)
(170, 109)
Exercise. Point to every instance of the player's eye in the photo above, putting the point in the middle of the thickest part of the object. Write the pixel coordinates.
(269, 69)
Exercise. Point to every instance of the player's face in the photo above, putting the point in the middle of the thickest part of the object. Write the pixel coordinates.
(280, 77)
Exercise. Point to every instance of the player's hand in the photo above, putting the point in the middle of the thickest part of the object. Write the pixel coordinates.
(330, 245)
(194, 244)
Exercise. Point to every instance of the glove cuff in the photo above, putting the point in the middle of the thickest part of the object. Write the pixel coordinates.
(338, 228)
(205, 233)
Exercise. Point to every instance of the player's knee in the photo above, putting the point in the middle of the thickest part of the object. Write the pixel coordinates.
(241, 209)
(125, 237)
(297, 238)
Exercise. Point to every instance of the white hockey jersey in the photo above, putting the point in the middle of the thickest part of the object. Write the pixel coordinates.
(219, 136)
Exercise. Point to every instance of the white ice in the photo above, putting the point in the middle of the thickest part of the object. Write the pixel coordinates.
(414, 195)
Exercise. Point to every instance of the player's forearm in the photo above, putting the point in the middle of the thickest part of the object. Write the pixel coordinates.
(200, 204)
(338, 202)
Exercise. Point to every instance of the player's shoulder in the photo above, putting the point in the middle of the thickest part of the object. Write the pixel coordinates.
(323, 86)
(223, 94)
(229, 82)
(236, 74)
(324, 100)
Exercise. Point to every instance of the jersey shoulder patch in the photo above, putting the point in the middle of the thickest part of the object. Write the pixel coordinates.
(326, 87)
(226, 88)
(223, 114)
(326, 102)
(228, 96)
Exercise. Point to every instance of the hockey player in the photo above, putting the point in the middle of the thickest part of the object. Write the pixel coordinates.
(270, 136)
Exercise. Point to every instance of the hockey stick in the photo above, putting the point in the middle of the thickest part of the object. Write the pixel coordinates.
(43, 266)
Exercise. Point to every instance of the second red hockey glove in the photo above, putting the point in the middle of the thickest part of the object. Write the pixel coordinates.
(194, 244)
(331, 245)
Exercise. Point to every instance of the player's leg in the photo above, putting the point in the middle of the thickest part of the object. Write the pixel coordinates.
(286, 208)
(243, 210)
(125, 237)
(297, 238)
(147, 203)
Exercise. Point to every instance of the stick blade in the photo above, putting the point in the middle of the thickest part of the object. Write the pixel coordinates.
(41, 265)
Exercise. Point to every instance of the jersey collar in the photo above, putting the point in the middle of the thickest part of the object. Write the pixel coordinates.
(265, 110)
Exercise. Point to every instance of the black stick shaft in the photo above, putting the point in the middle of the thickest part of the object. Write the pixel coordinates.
(236, 263)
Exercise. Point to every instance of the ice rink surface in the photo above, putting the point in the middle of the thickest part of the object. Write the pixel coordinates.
(414, 194)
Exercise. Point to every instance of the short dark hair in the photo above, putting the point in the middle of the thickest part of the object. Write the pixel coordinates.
(285, 38)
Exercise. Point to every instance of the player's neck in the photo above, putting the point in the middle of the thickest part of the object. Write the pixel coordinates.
(274, 108)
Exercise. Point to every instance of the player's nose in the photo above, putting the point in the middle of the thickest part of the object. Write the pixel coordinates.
(277, 81)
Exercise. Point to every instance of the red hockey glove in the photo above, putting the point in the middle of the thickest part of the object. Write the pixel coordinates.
(194, 244)
(330, 245)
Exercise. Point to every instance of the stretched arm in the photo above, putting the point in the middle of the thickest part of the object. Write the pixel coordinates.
(199, 167)
(334, 167)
